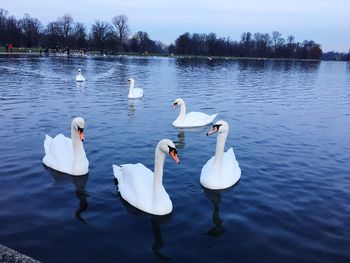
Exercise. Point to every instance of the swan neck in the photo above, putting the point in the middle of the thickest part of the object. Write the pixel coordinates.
(78, 148)
(220, 148)
(182, 113)
(132, 84)
(158, 168)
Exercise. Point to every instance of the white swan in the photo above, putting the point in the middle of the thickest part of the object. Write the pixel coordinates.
(192, 119)
(67, 155)
(142, 188)
(222, 170)
(80, 77)
(134, 92)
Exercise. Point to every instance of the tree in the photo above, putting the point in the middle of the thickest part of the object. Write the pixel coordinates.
(247, 43)
(100, 32)
(121, 24)
(291, 46)
(52, 34)
(262, 44)
(79, 35)
(183, 44)
(66, 28)
(31, 29)
(141, 42)
(13, 32)
(3, 24)
(278, 42)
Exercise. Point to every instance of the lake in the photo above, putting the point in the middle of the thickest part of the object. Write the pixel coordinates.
(289, 128)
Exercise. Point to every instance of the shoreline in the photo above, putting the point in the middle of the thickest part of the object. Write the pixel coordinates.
(8, 255)
(97, 55)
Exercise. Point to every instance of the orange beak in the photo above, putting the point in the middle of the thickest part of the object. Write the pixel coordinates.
(174, 106)
(82, 136)
(175, 157)
(213, 130)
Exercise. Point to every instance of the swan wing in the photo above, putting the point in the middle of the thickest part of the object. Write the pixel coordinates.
(225, 176)
(58, 153)
(136, 93)
(194, 119)
(230, 172)
(135, 184)
(80, 78)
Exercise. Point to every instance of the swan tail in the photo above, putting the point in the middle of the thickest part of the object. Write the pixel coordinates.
(212, 117)
(232, 155)
(47, 142)
(117, 171)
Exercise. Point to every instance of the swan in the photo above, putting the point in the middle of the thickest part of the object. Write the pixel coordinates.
(142, 188)
(67, 155)
(80, 77)
(134, 92)
(222, 170)
(192, 119)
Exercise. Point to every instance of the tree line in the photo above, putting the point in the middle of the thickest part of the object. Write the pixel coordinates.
(115, 36)
(67, 33)
(250, 45)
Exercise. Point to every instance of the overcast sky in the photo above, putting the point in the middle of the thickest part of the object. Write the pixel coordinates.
(327, 22)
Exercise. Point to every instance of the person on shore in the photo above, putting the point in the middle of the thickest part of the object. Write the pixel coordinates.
(10, 47)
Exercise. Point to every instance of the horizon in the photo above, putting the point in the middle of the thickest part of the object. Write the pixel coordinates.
(326, 26)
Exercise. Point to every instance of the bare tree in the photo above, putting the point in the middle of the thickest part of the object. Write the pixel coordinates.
(66, 27)
(3, 22)
(52, 34)
(80, 35)
(100, 32)
(31, 30)
(121, 24)
(276, 37)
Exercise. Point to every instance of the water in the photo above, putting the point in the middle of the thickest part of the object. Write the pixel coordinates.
(289, 127)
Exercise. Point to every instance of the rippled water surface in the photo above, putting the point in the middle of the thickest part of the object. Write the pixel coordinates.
(289, 127)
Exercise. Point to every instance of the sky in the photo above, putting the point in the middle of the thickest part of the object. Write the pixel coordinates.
(327, 22)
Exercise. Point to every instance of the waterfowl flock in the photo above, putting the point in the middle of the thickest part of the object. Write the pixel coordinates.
(137, 184)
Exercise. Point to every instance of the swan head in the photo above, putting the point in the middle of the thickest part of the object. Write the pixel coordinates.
(167, 146)
(131, 81)
(220, 127)
(79, 70)
(178, 102)
(78, 124)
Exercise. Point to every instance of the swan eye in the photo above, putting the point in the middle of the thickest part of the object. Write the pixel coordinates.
(80, 129)
(175, 104)
(216, 127)
(172, 149)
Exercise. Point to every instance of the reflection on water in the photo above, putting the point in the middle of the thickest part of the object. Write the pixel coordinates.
(290, 131)
(80, 86)
(180, 143)
(215, 198)
(79, 184)
(156, 222)
(131, 109)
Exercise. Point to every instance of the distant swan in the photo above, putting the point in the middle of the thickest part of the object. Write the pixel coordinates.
(80, 77)
(134, 92)
(222, 170)
(67, 155)
(141, 187)
(192, 119)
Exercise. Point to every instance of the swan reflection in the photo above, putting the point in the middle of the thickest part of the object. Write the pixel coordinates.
(156, 222)
(180, 143)
(131, 109)
(79, 183)
(80, 86)
(215, 198)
